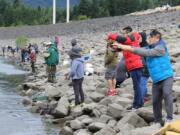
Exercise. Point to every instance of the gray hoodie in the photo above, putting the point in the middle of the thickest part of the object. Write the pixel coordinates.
(77, 68)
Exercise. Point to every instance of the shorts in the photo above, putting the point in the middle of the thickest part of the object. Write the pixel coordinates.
(110, 74)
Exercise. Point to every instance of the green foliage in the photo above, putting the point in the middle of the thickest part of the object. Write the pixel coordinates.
(21, 41)
(82, 17)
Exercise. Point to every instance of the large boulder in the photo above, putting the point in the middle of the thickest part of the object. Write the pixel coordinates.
(96, 97)
(62, 108)
(133, 119)
(115, 110)
(96, 126)
(106, 131)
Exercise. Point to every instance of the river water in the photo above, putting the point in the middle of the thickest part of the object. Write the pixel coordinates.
(14, 117)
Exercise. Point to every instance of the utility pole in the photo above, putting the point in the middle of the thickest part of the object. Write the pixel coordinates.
(67, 11)
(54, 11)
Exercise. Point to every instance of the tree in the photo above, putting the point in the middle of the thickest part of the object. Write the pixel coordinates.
(21, 41)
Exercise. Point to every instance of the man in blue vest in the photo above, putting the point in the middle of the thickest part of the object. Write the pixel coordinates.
(161, 72)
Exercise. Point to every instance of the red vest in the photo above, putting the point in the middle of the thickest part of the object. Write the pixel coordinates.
(132, 61)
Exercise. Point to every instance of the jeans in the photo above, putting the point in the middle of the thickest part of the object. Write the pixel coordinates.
(144, 80)
(138, 91)
(163, 90)
(78, 91)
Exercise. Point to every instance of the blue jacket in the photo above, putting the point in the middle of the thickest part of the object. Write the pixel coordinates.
(77, 68)
(159, 67)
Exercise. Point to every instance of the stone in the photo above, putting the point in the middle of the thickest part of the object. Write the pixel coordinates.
(125, 129)
(96, 126)
(77, 111)
(26, 101)
(66, 131)
(62, 108)
(41, 104)
(149, 130)
(146, 113)
(115, 110)
(30, 92)
(104, 119)
(87, 121)
(96, 97)
(112, 123)
(102, 109)
(133, 119)
(82, 132)
(105, 101)
(88, 108)
(34, 109)
(75, 124)
(123, 101)
(52, 91)
(106, 131)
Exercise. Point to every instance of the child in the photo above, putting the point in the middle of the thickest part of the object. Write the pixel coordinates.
(111, 60)
(77, 75)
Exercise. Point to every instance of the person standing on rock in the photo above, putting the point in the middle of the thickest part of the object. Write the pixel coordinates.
(77, 75)
(111, 60)
(32, 57)
(51, 56)
(161, 72)
(133, 64)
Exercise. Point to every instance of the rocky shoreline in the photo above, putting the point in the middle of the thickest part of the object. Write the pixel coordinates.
(100, 115)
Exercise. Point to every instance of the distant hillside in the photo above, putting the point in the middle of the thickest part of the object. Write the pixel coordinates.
(48, 3)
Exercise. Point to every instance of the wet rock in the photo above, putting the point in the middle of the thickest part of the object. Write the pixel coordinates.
(62, 108)
(106, 131)
(115, 110)
(66, 131)
(26, 101)
(133, 119)
(76, 124)
(96, 126)
(96, 97)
